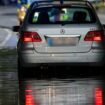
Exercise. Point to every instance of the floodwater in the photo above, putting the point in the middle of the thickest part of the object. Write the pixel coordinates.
(50, 86)
(8, 77)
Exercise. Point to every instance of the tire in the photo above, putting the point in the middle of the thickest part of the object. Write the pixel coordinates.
(21, 70)
(24, 72)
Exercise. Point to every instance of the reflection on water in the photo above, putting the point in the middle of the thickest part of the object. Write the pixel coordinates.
(8, 77)
(48, 87)
(60, 91)
(8, 88)
(8, 60)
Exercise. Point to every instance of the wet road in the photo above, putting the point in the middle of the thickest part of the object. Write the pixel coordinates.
(60, 91)
(48, 79)
(58, 79)
(52, 78)
(8, 77)
(8, 67)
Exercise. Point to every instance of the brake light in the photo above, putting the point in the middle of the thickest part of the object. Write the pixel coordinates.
(31, 37)
(93, 36)
(98, 96)
(29, 100)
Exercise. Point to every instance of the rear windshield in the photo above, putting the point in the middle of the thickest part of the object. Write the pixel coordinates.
(57, 15)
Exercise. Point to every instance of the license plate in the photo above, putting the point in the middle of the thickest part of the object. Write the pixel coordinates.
(62, 41)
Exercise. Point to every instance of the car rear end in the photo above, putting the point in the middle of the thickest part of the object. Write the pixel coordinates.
(67, 37)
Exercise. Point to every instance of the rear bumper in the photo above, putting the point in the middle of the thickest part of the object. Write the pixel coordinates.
(31, 59)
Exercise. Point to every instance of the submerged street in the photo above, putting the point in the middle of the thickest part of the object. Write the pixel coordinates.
(58, 80)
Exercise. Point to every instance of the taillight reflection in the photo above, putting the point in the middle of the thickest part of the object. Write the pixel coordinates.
(98, 96)
(29, 99)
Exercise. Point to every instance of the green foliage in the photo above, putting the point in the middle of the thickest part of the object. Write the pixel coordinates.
(100, 5)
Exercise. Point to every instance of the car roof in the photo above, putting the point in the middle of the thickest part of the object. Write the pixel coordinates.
(62, 3)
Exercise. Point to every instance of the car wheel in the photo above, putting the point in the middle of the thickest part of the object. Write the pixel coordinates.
(25, 72)
(21, 70)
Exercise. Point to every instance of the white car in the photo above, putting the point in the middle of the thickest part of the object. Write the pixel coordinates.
(60, 32)
(94, 1)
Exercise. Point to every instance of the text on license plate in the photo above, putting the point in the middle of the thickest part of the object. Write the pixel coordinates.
(62, 41)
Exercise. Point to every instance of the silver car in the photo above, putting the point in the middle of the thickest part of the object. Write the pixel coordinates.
(60, 32)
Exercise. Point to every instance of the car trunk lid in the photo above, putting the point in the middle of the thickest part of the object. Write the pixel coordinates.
(62, 39)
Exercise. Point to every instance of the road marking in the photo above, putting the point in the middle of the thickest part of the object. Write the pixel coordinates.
(9, 34)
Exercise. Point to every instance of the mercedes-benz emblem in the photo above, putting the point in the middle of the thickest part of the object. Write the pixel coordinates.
(62, 31)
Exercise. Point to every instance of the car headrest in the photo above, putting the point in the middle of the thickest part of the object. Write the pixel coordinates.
(79, 16)
(43, 17)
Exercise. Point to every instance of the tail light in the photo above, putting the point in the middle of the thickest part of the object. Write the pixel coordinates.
(31, 37)
(93, 36)
(98, 96)
(29, 99)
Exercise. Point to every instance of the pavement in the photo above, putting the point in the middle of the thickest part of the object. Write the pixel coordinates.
(8, 19)
(7, 9)
(3, 35)
(8, 16)
(8, 39)
(101, 11)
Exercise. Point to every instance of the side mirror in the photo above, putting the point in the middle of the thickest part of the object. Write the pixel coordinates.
(15, 28)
